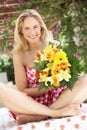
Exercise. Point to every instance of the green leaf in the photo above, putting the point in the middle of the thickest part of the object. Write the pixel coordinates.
(40, 65)
(42, 85)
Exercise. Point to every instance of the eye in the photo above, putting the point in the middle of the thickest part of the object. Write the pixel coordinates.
(27, 28)
(36, 27)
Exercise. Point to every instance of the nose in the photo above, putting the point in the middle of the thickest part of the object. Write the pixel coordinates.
(32, 31)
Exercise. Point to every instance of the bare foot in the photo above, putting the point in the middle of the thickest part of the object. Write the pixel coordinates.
(26, 118)
(71, 110)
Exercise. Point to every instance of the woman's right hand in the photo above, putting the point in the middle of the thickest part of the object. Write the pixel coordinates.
(35, 92)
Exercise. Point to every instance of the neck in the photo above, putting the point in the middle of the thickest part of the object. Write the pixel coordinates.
(36, 46)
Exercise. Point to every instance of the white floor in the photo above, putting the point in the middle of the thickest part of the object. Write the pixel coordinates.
(68, 123)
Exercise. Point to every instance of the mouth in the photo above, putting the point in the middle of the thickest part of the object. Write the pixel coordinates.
(33, 37)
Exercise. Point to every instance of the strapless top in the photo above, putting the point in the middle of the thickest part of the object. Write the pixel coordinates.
(32, 77)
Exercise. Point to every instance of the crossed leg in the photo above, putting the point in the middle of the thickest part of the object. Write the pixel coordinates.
(76, 96)
(68, 103)
(71, 110)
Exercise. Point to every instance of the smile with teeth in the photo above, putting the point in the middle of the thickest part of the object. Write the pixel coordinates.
(33, 37)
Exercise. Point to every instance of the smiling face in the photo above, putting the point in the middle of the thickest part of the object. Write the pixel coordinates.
(31, 30)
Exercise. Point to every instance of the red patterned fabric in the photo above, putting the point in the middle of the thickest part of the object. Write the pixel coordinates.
(51, 95)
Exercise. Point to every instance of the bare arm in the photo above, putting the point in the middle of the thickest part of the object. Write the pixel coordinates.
(20, 77)
(34, 92)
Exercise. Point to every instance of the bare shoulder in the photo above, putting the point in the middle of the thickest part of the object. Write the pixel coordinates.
(18, 56)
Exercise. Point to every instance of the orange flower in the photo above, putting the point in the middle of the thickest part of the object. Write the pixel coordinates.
(64, 65)
(37, 74)
(55, 81)
(56, 69)
(44, 73)
(56, 50)
(38, 56)
(49, 55)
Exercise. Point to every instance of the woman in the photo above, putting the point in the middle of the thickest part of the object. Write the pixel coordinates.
(30, 36)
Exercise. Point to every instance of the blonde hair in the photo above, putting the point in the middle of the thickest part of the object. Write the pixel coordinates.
(20, 42)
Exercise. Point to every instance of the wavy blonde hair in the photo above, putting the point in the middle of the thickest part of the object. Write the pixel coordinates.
(20, 42)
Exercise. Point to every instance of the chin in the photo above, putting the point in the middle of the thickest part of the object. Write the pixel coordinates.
(34, 41)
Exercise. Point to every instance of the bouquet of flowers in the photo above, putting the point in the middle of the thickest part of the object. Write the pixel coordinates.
(56, 68)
